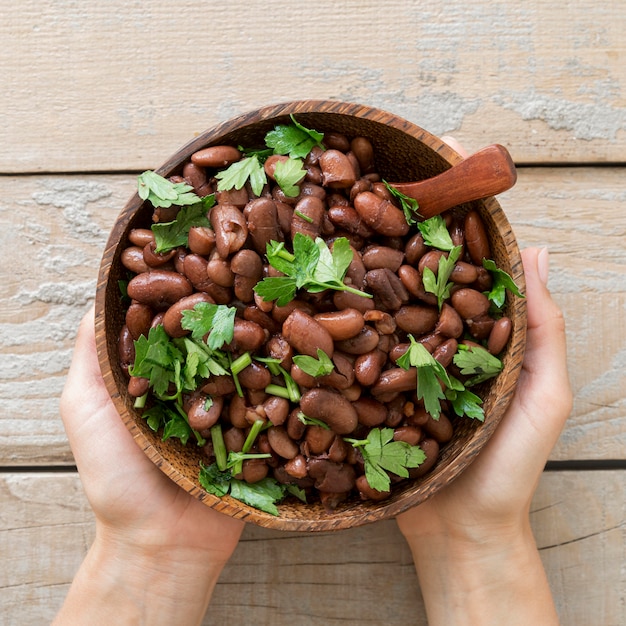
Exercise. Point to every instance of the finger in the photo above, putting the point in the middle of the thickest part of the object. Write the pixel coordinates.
(455, 145)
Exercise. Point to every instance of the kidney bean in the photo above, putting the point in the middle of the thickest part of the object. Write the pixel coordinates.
(125, 349)
(219, 386)
(408, 434)
(368, 367)
(276, 409)
(367, 493)
(159, 288)
(360, 185)
(231, 229)
(138, 319)
(375, 257)
(201, 240)
(296, 467)
(342, 376)
(263, 225)
(365, 341)
(318, 439)
(254, 470)
(480, 327)
(464, 273)
(332, 477)
(337, 170)
(444, 353)
(387, 289)
(195, 175)
(308, 216)
(431, 261)
(431, 450)
(237, 411)
(384, 322)
(381, 215)
(138, 386)
(440, 430)
(247, 263)
(204, 412)
(306, 335)
(132, 259)
(247, 336)
(450, 323)
(415, 249)
(431, 341)
(347, 218)
(255, 376)
(470, 303)
(370, 411)
(281, 443)
(330, 407)
(363, 150)
(342, 324)
(476, 238)
(281, 313)
(395, 380)
(219, 271)
(412, 281)
(236, 197)
(252, 313)
(173, 316)
(234, 438)
(499, 335)
(216, 156)
(416, 319)
(336, 141)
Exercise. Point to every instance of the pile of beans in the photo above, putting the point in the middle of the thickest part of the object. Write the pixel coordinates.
(340, 196)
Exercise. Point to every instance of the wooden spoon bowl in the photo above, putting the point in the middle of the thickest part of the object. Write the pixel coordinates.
(404, 152)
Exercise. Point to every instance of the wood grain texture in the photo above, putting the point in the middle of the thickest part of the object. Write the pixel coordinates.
(56, 226)
(113, 86)
(348, 577)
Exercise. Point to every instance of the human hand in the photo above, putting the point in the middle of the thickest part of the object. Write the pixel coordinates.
(174, 545)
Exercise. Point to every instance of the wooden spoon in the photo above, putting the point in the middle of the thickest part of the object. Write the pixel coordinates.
(485, 173)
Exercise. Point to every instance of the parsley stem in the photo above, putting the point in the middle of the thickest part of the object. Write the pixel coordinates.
(356, 291)
(277, 390)
(140, 402)
(304, 217)
(292, 387)
(240, 363)
(255, 429)
(219, 447)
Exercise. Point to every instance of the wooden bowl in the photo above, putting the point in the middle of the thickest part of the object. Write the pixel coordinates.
(404, 152)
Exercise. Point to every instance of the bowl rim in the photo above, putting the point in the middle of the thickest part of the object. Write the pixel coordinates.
(344, 518)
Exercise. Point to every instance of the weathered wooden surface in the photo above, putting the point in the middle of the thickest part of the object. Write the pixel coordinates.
(95, 92)
(57, 226)
(360, 576)
(104, 86)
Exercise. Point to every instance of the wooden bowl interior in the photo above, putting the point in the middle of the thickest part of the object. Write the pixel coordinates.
(404, 152)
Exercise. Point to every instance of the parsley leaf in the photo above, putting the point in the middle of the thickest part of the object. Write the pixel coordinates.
(478, 363)
(501, 282)
(312, 266)
(161, 192)
(429, 375)
(218, 320)
(439, 285)
(382, 454)
(288, 174)
(293, 139)
(321, 366)
(464, 402)
(236, 175)
(435, 233)
(173, 234)
(409, 205)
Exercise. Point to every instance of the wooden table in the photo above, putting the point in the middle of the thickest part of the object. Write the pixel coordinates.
(94, 93)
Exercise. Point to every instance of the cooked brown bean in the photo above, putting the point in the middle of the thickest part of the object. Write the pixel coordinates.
(308, 215)
(408, 434)
(450, 323)
(138, 386)
(415, 249)
(159, 288)
(138, 319)
(381, 215)
(499, 335)
(276, 409)
(195, 175)
(174, 315)
(201, 239)
(347, 218)
(444, 353)
(480, 327)
(395, 380)
(412, 281)
(306, 335)
(332, 477)
(387, 289)
(337, 170)
(204, 412)
(440, 430)
(261, 215)
(431, 450)
(330, 407)
(384, 322)
(368, 367)
(216, 156)
(236, 197)
(476, 238)
(219, 271)
(255, 376)
(247, 336)
(376, 256)
(140, 237)
(125, 349)
(254, 470)
(342, 324)
(132, 259)
(464, 273)
(431, 261)
(231, 229)
(364, 342)
(470, 303)
(282, 443)
(363, 150)
(234, 438)
(370, 411)
(318, 439)
(247, 263)
(416, 319)
(219, 386)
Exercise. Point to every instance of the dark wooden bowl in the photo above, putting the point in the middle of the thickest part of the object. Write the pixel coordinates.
(404, 152)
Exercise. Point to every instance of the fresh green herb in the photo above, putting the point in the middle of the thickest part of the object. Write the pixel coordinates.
(430, 375)
(288, 174)
(169, 235)
(312, 421)
(464, 402)
(236, 175)
(304, 217)
(382, 454)
(409, 205)
(161, 192)
(216, 320)
(293, 139)
(290, 391)
(312, 266)
(501, 282)
(477, 363)
(435, 233)
(315, 367)
(172, 420)
(439, 285)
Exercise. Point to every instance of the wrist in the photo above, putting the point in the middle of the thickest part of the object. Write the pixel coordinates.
(141, 582)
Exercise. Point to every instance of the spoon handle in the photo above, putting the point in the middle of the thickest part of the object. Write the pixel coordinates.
(485, 173)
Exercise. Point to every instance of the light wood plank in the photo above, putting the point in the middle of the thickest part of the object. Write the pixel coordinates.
(56, 227)
(360, 576)
(114, 86)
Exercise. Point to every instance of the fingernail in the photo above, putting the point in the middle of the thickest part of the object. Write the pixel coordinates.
(543, 265)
